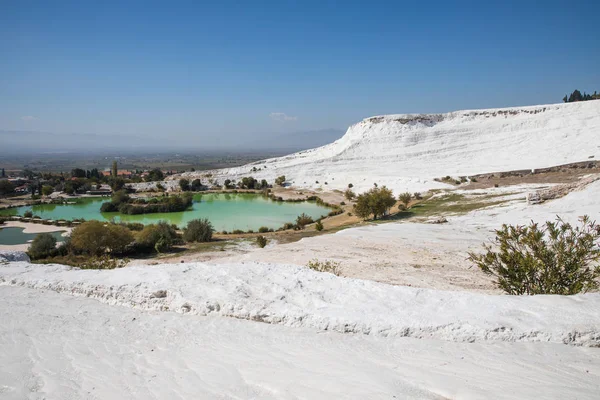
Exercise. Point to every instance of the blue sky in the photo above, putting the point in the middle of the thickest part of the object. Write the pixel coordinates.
(247, 70)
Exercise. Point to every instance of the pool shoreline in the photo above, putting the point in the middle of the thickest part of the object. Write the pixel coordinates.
(226, 211)
(30, 228)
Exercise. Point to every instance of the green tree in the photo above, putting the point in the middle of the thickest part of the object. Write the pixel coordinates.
(114, 170)
(78, 173)
(184, 184)
(349, 194)
(117, 184)
(553, 259)
(42, 246)
(159, 237)
(47, 190)
(3, 175)
(6, 187)
(69, 188)
(196, 185)
(97, 238)
(155, 175)
(319, 226)
(405, 198)
(376, 201)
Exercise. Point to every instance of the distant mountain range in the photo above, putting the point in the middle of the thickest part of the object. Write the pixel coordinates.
(19, 142)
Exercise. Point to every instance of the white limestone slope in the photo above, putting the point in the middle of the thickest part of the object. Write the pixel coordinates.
(56, 346)
(298, 297)
(406, 151)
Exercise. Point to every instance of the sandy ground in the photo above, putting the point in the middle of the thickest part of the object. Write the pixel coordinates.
(30, 228)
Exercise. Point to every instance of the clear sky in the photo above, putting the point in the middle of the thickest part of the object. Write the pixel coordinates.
(222, 73)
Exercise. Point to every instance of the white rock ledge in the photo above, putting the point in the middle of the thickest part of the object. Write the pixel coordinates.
(298, 297)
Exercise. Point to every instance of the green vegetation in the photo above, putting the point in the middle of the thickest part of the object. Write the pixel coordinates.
(555, 258)
(349, 194)
(332, 267)
(155, 175)
(158, 237)
(42, 246)
(577, 96)
(302, 220)
(280, 180)
(319, 226)
(376, 202)
(124, 204)
(261, 241)
(96, 238)
(184, 184)
(196, 185)
(405, 198)
(47, 190)
(6, 187)
(198, 230)
(451, 203)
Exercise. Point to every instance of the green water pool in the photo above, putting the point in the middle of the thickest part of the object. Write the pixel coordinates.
(15, 235)
(226, 211)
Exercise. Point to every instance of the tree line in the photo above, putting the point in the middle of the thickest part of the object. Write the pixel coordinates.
(578, 96)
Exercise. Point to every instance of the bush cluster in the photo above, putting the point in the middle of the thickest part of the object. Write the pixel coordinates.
(302, 220)
(198, 230)
(555, 258)
(122, 203)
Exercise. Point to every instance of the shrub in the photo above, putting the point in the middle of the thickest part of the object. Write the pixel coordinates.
(302, 220)
(555, 258)
(473, 179)
(261, 241)
(405, 198)
(96, 238)
(133, 226)
(417, 196)
(184, 184)
(148, 238)
(196, 185)
(47, 190)
(28, 214)
(349, 194)
(42, 246)
(103, 262)
(332, 267)
(162, 245)
(288, 225)
(350, 186)
(280, 180)
(198, 230)
(319, 226)
(237, 231)
(263, 229)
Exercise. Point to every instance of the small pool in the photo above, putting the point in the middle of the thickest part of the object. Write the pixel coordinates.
(14, 235)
